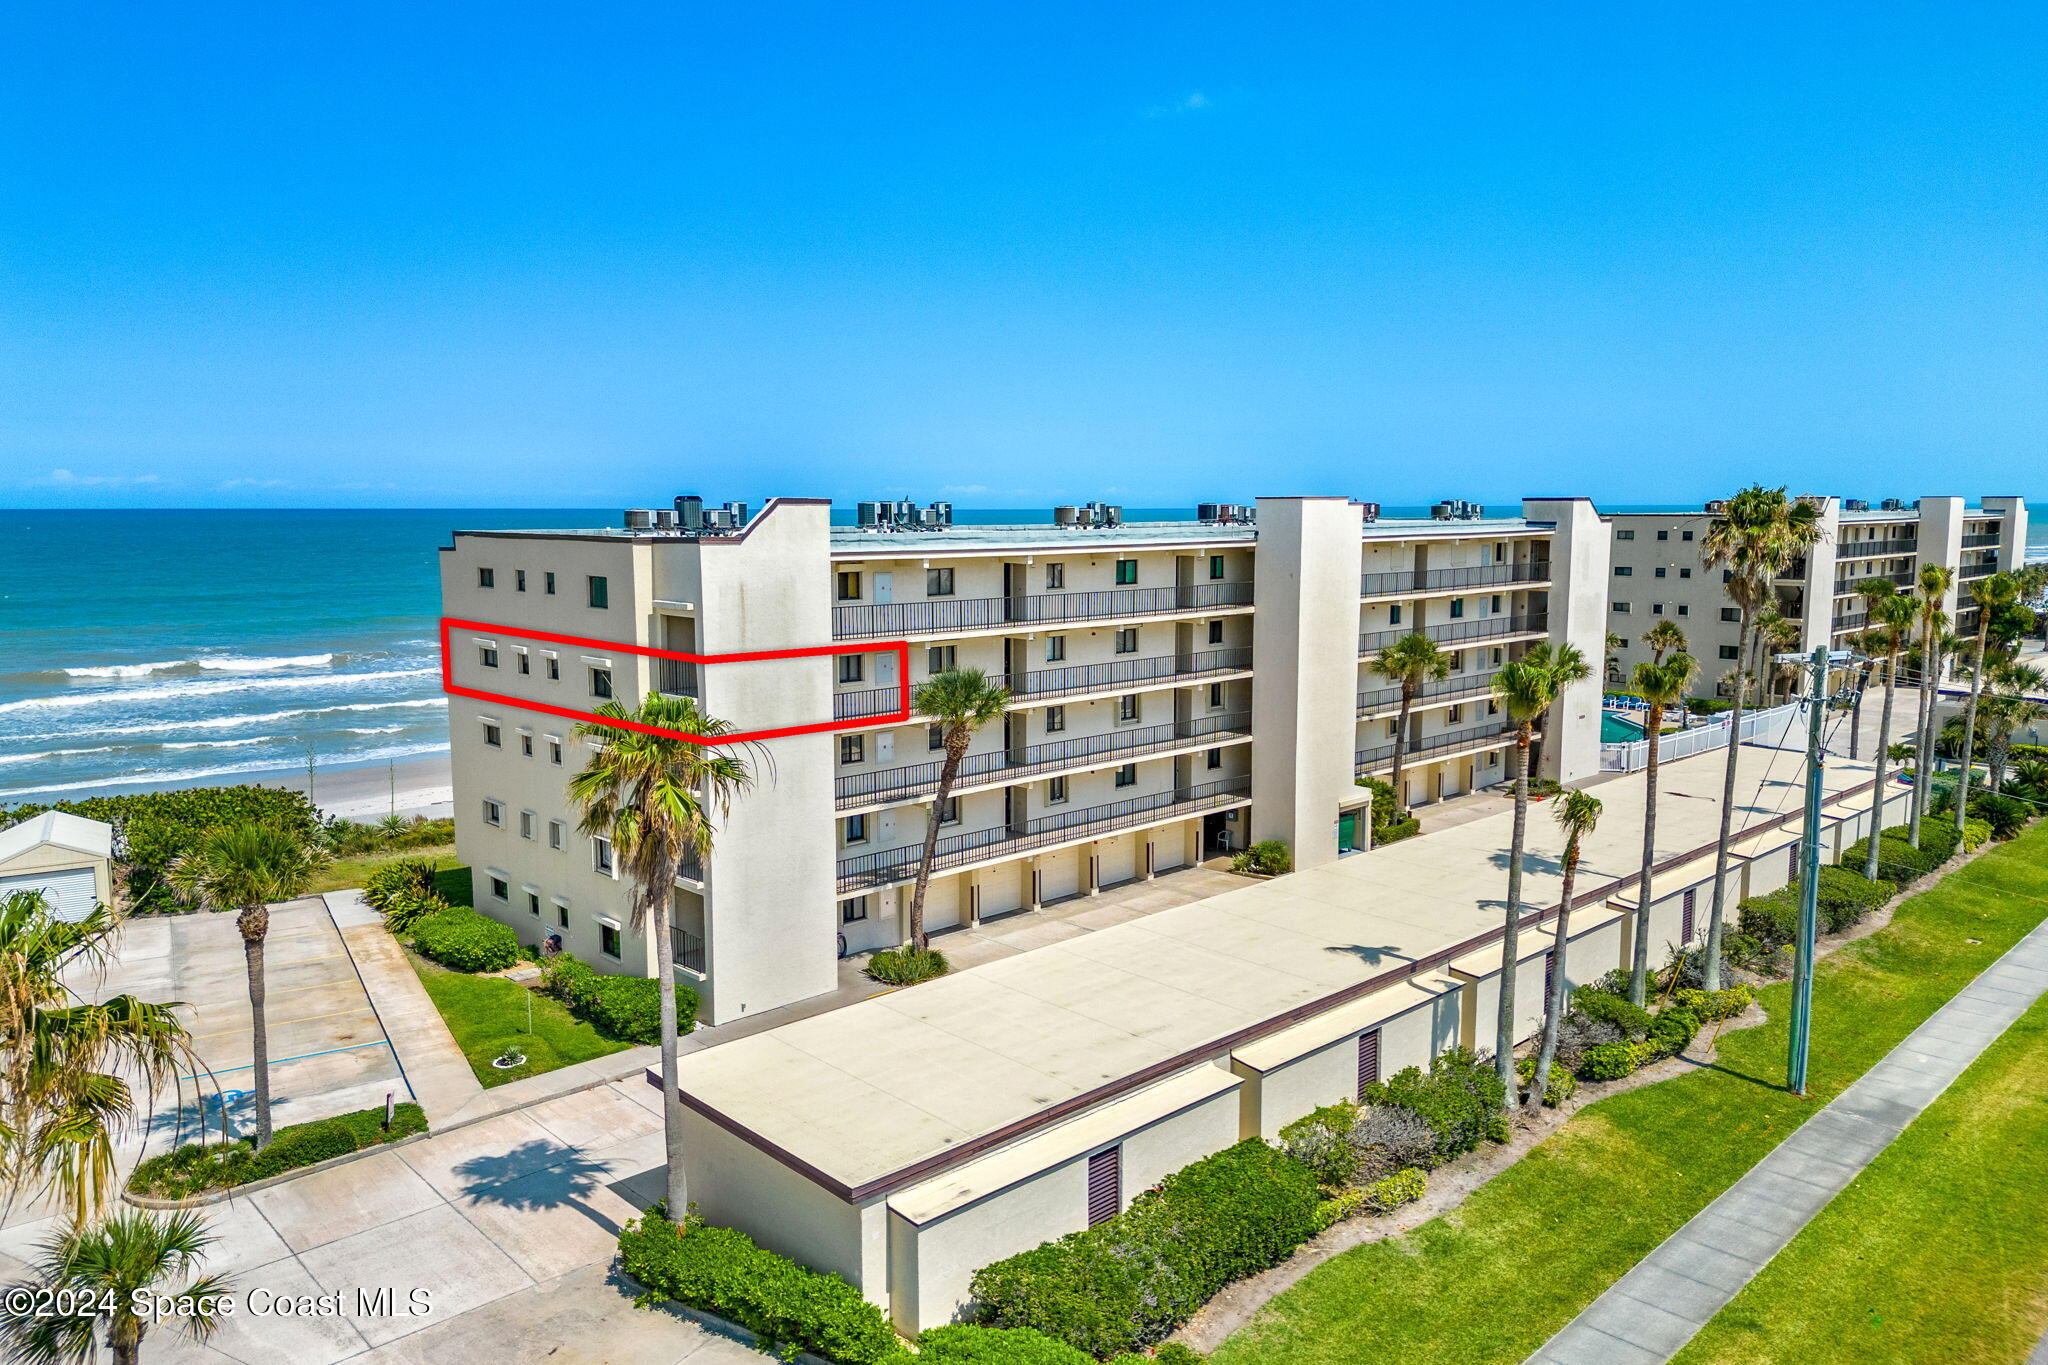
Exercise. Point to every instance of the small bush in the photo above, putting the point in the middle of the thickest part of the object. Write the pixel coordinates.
(1389, 1139)
(404, 909)
(1459, 1098)
(1710, 1005)
(907, 966)
(1556, 1091)
(970, 1344)
(1380, 1196)
(1632, 1020)
(1897, 860)
(1770, 919)
(1267, 858)
(1845, 896)
(197, 1167)
(1173, 1353)
(1608, 1062)
(722, 1271)
(466, 941)
(623, 1007)
(2005, 815)
(302, 1146)
(1671, 1032)
(407, 877)
(1708, 706)
(1321, 1141)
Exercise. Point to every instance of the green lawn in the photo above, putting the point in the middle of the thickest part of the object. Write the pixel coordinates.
(1934, 1253)
(1495, 1278)
(344, 873)
(488, 1013)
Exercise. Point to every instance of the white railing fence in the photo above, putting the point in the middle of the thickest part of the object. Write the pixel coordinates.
(1634, 755)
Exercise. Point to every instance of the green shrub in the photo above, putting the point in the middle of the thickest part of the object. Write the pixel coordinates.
(2006, 815)
(1459, 1098)
(1708, 706)
(466, 941)
(405, 908)
(1391, 1192)
(1710, 1005)
(1131, 1280)
(1897, 860)
(1591, 1003)
(1976, 833)
(1267, 858)
(1173, 1353)
(907, 966)
(972, 1344)
(408, 877)
(1845, 896)
(1561, 1086)
(302, 1146)
(199, 1166)
(1320, 1140)
(1608, 1062)
(623, 1007)
(1386, 826)
(1671, 1032)
(722, 1271)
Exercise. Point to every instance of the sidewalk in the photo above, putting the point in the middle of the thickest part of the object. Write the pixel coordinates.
(1650, 1313)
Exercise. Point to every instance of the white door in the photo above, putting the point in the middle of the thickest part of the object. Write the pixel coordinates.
(885, 587)
(885, 746)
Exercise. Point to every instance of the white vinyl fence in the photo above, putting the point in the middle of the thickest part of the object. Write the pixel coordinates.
(1635, 755)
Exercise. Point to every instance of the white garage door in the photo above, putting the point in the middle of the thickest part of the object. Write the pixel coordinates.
(69, 893)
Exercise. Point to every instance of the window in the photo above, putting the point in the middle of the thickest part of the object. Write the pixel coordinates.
(1684, 610)
(1457, 607)
(500, 890)
(548, 583)
(519, 580)
(561, 915)
(1105, 1185)
(949, 814)
(1685, 573)
(1452, 715)
(1730, 652)
(1394, 614)
(526, 819)
(601, 855)
(494, 813)
(1055, 791)
(1496, 655)
(1622, 571)
(1656, 608)
(600, 682)
(939, 658)
(1215, 632)
(1214, 758)
(525, 662)
(934, 737)
(556, 829)
(487, 578)
(1393, 729)
(1624, 535)
(1055, 719)
(1493, 604)
(853, 749)
(1055, 648)
(1660, 571)
(1621, 607)
(938, 582)
(533, 903)
(493, 736)
(608, 938)
(1127, 707)
(849, 586)
(1685, 535)
(554, 669)
(1731, 613)
(1215, 566)
(487, 655)
(850, 666)
(526, 746)
(1127, 776)
(554, 751)
(600, 591)
(1663, 535)
(853, 911)
(1127, 640)
(856, 829)
(1727, 575)
(1055, 575)
(1126, 572)
(1215, 695)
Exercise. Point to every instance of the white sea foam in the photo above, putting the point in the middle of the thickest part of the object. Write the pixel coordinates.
(174, 777)
(220, 663)
(125, 748)
(184, 691)
(224, 722)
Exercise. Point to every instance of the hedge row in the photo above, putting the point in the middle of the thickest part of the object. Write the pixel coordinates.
(465, 941)
(199, 1166)
(623, 1007)
(1603, 1037)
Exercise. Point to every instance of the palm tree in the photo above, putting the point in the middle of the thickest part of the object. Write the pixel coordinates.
(66, 1064)
(1576, 814)
(1525, 688)
(1894, 626)
(1993, 593)
(99, 1275)
(657, 798)
(1661, 683)
(1780, 637)
(1412, 661)
(959, 701)
(1756, 538)
(1934, 585)
(1872, 591)
(245, 868)
(2012, 706)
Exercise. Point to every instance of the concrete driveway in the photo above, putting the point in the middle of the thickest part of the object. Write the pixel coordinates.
(508, 1225)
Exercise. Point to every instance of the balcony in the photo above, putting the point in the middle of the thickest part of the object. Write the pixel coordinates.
(1854, 620)
(950, 615)
(872, 701)
(887, 866)
(1047, 684)
(1441, 580)
(1477, 736)
(1971, 572)
(1983, 540)
(1877, 549)
(676, 677)
(1846, 587)
(886, 785)
(1461, 632)
(1454, 688)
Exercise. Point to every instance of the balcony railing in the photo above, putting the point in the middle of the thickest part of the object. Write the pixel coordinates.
(1382, 755)
(689, 950)
(1040, 684)
(1456, 686)
(1435, 580)
(676, 677)
(872, 701)
(1854, 620)
(1905, 578)
(939, 615)
(1983, 540)
(1454, 632)
(898, 864)
(917, 779)
(1876, 549)
(1973, 571)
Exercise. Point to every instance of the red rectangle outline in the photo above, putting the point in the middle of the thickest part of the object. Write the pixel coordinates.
(900, 648)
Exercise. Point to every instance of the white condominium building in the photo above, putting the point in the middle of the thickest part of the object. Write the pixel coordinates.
(1178, 690)
(1659, 573)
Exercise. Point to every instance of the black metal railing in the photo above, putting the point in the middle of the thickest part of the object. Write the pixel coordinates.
(1855, 620)
(676, 677)
(1971, 571)
(1904, 578)
(941, 614)
(1435, 580)
(1875, 549)
(1381, 755)
(1983, 540)
(916, 779)
(1452, 632)
(873, 701)
(1457, 685)
(1039, 684)
(896, 864)
(689, 950)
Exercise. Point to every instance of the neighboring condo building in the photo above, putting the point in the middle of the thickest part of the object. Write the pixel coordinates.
(1659, 573)
(1178, 690)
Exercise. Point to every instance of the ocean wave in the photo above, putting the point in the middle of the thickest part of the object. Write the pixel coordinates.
(174, 777)
(129, 748)
(219, 663)
(183, 691)
(162, 727)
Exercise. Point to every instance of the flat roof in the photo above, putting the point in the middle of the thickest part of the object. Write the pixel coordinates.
(874, 1096)
(855, 543)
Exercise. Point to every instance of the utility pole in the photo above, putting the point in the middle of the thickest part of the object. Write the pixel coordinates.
(1809, 867)
(309, 773)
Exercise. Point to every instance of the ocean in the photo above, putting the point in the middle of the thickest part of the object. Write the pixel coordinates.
(166, 647)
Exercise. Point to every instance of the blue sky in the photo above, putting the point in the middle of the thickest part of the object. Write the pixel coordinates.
(552, 255)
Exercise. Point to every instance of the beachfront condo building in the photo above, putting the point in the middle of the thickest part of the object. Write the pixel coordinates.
(1179, 691)
(1659, 572)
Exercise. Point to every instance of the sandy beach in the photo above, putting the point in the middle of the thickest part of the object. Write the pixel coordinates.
(368, 792)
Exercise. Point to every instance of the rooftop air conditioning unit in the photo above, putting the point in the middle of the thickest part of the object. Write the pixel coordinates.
(1371, 511)
(690, 512)
(1892, 505)
(639, 519)
(1066, 515)
(1855, 504)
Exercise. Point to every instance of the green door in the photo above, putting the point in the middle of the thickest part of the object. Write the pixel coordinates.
(1347, 832)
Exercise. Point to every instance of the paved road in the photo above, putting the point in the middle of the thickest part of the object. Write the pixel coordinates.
(1650, 1313)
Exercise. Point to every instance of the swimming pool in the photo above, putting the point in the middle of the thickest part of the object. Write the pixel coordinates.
(1615, 730)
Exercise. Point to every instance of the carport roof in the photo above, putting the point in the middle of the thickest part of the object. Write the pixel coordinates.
(871, 1097)
(59, 829)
